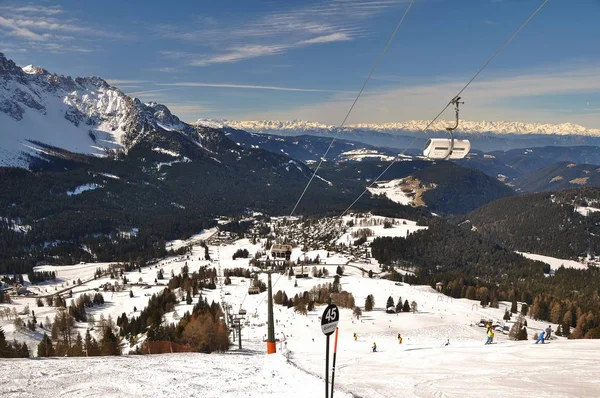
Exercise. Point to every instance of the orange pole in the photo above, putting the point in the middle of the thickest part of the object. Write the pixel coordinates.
(335, 342)
(334, 358)
(271, 347)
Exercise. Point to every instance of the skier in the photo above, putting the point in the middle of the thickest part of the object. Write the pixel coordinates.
(374, 347)
(490, 334)
(355, 337)
(399, 339)
(540, 337)
(548, 332)
(447, 342)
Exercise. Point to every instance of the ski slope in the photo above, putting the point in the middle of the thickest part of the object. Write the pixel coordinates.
(555, 263)
(235, 374)
(419, 367)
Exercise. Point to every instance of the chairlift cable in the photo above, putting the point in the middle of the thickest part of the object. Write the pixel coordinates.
(375, 66)
(489, 61)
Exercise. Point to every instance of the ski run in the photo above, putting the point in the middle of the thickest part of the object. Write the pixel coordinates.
(421, 366)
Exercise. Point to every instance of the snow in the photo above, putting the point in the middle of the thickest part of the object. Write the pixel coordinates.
(322, 179)
(83, 188)
(195, 239)
(585, 211)
(419, 367)
(235, 374)
(393, 190)
(16, 225)
(361, 154)
(555, 263)
(166, 152)
(298, 127)
(399, 228)
(114, 177)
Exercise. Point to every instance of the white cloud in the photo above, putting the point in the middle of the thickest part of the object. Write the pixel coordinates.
(315, 22)
(251, 87)
(51, 10)
(339, 36)
(118, 82)
(237, 54)
(32, 24)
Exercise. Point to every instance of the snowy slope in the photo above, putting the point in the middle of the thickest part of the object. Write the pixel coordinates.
(466, 127)
(420, 367)
(235, 374)
(555, 263)
(82, 115)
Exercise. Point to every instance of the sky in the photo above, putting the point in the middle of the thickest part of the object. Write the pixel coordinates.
(306, 59)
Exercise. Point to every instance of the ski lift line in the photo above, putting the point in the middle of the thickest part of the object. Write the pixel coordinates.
(488, 62)
(375, 66)
(263, 299)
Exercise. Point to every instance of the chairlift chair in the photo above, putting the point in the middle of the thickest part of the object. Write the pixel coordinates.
(448, 148)
(242, 311)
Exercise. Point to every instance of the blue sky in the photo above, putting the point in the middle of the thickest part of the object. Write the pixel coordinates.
(287, 59)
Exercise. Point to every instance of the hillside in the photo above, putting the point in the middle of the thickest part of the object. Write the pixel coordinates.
(558, 176)
(307, 148)
(512, 164)
(553, 224)
(458, 190)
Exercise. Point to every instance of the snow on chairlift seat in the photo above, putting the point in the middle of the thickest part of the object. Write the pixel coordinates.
(439, 148)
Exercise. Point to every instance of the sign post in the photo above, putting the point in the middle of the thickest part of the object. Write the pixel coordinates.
(329, 322)
(334, 355)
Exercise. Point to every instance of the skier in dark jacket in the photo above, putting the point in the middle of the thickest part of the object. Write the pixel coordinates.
(548, 333)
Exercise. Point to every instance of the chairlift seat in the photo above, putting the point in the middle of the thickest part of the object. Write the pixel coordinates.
(443, 148)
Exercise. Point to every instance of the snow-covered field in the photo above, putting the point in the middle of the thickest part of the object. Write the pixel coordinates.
(555, 263)
(422, 366)
(393, 190)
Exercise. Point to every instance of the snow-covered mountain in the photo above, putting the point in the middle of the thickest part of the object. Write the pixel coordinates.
(40, 110)
(297, 127)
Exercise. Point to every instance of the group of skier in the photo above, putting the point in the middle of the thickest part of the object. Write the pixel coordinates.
(542, 337)
(374, 346)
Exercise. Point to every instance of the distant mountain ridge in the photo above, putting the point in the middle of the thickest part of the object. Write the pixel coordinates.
(295, 127)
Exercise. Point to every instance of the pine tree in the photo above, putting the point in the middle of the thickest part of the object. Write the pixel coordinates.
(131, 293)
(513, 307)
(399, 305)
(506, 315)
(339, 271)
(77, 348)
(45, 348)
(357, 312)
(413, 306)
(110, 342)
(406, 307)
(369, 303)
(390, 303)
(188, 298)
(524, 309)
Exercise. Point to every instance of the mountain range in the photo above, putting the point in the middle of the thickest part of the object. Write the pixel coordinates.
(484, 136)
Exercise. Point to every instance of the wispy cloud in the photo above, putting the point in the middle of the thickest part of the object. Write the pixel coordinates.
(149, 93)
(37, 9)
(252, 87)
(487, 99)
(239, 53)
(118, 82)
(32, 25)
(314, 23)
